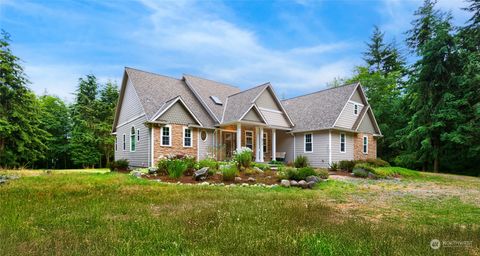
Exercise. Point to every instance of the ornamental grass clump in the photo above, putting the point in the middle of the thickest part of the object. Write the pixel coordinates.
(243, 157)
(228, 171)
(176, 168)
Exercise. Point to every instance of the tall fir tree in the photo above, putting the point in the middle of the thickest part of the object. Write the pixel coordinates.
(21, 138)
(84, 141)
(55, 119)
(375, 54)
(106, 112)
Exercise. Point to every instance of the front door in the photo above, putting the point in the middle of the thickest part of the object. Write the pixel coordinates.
(230, 144)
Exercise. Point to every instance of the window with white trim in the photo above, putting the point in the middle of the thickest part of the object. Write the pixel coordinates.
(365, 144)
(265, 142)
(342, 143)
(133, 143)
(124, 142)
(249, 139)
(187, 137)
(138, 134)
(166, 133)
(308, 138)
(355, 109)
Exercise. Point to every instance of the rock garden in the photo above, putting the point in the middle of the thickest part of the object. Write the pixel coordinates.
(239, 171)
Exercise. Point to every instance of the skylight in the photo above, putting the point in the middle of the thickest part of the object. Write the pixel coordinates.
(216, 100)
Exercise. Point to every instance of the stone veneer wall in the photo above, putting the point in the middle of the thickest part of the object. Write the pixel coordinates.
(358, 147)
(177, 142)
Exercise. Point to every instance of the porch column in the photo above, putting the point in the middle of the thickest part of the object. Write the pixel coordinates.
(257, 145)
(239, 136)
(260, 145)
(274, 144)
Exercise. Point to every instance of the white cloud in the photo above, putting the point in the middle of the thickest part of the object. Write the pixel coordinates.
(221, 50)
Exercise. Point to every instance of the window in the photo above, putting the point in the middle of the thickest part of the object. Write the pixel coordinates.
(308, 142)
(365, 144)
(187, 137)
(265, 142)
(342, 142)
(249, 139)
(116, 143)
(124, 142)
(138, 134)
(132, 140)
(166, 136)
(355, 109)
(203, 135)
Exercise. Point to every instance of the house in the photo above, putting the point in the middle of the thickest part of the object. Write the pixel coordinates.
(158, 115)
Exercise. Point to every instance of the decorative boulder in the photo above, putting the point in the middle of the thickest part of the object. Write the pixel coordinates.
(258, 170)
(238, 179)
(303, 184)
(285, 183)
(152, 170)
(137, 174)
(201, 174)
(251, 179)
(315, 179)
(311, 184)
(293, 183)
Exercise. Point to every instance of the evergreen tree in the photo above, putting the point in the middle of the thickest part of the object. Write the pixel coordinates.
(55, 119)
(424, 25)
(21, 138)
(375, 55)
(84, 142)
(431, 89)
(106, 112)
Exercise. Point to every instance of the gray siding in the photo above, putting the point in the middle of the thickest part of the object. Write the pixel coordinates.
(141, 155)
(347, 117)
(266, 100)
(367, 124)
(205, 147)
(285, 144)
(356, 97)
(319, 156)
(252, 115)
(336, 154)
(177, 114)
(131, 106)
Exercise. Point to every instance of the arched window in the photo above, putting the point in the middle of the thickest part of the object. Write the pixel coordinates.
(132, 140)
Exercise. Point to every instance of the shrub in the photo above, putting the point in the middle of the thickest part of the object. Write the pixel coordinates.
(384, 172)
(334, 166)
(228, 172)
(301, 161)
(359, 172)
(365, 166)
(346, 165)
(243, 157)
(378, 162)
(298, 173)
(208, 162)
(275, 162)
(119, 165)
(261, 166)
(322, 173)
(176, 168)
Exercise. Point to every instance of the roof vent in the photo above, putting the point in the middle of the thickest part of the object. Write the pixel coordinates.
(216, 100)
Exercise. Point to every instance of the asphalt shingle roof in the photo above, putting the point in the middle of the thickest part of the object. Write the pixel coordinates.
(155, 90)
(206, 88)
(239, 103)
(318, 110)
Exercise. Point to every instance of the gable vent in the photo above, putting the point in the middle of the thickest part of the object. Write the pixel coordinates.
(216, 100)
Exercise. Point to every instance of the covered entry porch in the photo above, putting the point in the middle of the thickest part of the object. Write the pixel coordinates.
(261, 139)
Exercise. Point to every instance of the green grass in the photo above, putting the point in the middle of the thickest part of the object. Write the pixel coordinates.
(393, 171)
(96, 213)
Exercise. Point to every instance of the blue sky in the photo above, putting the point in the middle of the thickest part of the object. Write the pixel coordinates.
(298, 46)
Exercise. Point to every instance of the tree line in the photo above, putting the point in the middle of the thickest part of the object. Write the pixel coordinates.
(44, 131)
(428, 111)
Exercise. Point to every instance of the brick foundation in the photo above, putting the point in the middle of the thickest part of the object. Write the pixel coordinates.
(358, 147)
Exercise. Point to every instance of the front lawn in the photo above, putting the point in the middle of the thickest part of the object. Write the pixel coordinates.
(82, 213)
